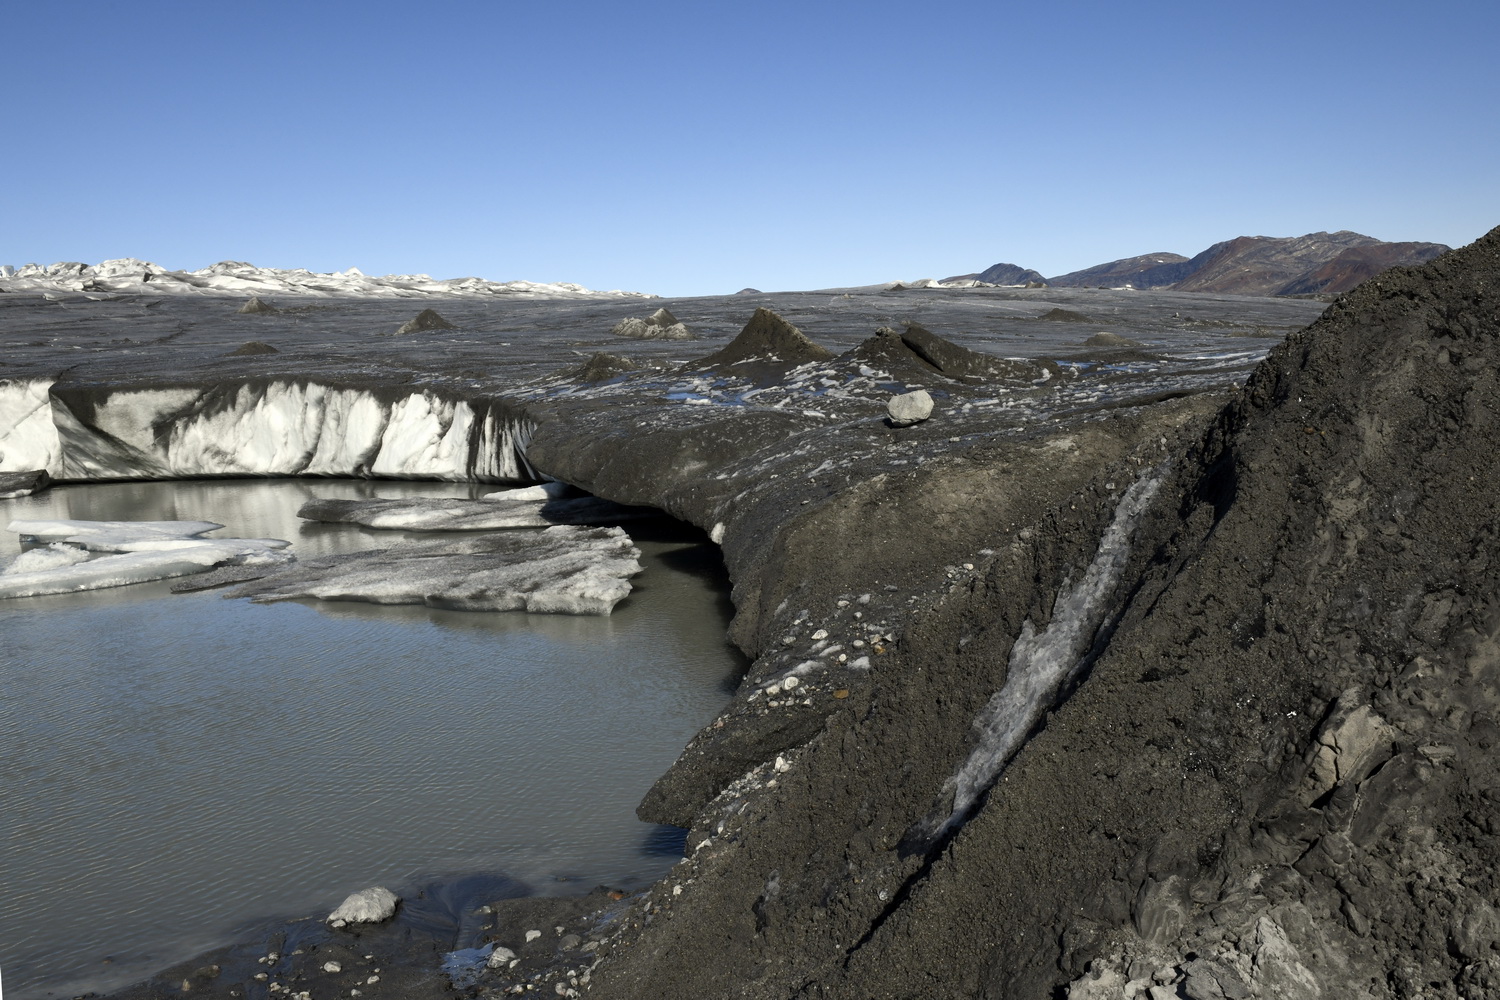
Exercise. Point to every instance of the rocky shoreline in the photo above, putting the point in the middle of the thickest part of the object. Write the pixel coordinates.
(1257, 759)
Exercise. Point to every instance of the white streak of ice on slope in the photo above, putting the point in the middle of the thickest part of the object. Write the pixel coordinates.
(1042, 662)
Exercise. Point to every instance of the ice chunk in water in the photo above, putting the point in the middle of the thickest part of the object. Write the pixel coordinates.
(553, 490)
(564, 569)
(79, 532)
(140, 551)
(134, 567)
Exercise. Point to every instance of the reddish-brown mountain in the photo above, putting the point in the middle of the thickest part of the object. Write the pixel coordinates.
(1327, 263)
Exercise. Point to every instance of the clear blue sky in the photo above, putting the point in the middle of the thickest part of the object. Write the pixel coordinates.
(686, 148)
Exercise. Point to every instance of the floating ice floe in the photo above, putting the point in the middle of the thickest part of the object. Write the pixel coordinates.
(116, 532)
(563, 570)
(136, 552)
(453, 514)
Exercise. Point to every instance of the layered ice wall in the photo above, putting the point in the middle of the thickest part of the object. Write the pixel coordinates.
(28, 438)
(276, 428)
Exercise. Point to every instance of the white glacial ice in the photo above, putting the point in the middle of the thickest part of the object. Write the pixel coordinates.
(550, 490)
(563, 569)
(1041, 663)
(139, 552)
(83, 532)
(28, 439)
(284, 428)
(48, 557)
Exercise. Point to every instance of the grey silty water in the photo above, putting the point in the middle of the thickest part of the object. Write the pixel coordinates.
(175, 765)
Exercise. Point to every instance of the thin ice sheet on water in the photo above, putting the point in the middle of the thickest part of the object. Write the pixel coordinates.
(453, 514)
(116, 532)
(552, 490)
(55, 574)
(137, 552)
(564, 570)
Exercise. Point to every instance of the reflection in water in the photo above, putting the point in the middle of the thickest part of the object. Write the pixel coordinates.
(177, 764)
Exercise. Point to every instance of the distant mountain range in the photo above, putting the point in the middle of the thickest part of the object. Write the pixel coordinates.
(233, 277)
(1326, 263)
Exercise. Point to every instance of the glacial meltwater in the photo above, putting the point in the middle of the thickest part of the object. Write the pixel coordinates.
(179, 765)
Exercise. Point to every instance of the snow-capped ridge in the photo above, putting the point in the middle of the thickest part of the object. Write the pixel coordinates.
(237, 277)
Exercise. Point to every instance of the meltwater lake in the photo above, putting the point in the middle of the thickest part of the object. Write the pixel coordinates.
(177, 766)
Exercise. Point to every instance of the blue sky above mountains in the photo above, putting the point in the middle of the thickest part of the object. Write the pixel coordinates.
(693, 148)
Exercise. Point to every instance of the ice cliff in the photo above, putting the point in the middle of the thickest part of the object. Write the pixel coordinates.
(267, 428)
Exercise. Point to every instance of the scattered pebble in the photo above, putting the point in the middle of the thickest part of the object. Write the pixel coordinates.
(532, 936)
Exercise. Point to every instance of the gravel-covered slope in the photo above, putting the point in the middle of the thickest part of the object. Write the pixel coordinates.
(1276, 775)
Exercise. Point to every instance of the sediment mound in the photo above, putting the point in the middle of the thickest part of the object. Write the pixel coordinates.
(257, 305)
(767, 337)
(660, 325)
(427, 319)
(250, 347)
(1059, 315)
(917, 352)
(601, 366)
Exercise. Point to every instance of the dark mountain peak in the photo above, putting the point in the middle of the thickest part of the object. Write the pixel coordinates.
(1150, 270)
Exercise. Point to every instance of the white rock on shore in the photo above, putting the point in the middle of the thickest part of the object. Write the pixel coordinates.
(368, 906)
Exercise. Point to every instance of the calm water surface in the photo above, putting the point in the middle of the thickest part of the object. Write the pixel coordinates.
(177, 765)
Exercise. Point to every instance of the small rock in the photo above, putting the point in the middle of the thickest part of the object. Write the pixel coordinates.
(532, 936)
(332, 967)
(909, 408)
(790, 682)
(501, 956)
(368, 906)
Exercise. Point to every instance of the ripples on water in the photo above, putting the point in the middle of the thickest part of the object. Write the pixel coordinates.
(175, 765)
